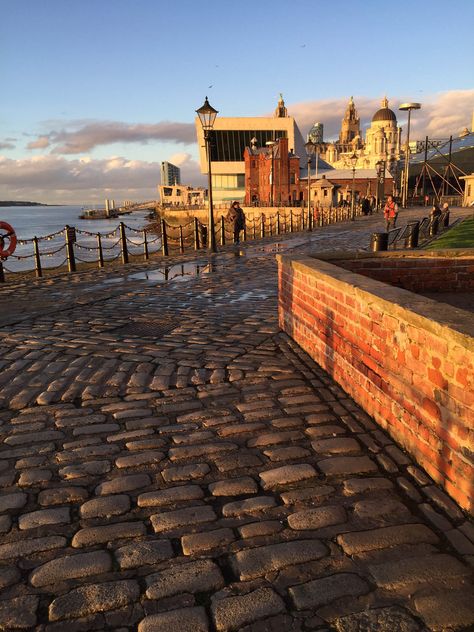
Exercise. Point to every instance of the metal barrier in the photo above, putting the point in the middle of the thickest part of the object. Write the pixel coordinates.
(412, 234)
(79, 249)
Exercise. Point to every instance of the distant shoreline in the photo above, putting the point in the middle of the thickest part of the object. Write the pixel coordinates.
(24, 203)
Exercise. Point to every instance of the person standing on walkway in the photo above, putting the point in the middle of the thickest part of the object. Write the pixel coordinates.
(236, 217)
(390, 213)
(365, 206)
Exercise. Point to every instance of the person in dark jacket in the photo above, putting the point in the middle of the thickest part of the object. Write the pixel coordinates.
(236, 217)
(365, 206)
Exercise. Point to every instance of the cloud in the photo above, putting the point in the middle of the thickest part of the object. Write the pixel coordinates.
(56, 179)
(81, 137)
(6, 144)
(440, 115)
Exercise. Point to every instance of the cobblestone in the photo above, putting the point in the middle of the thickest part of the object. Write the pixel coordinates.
(214, 477)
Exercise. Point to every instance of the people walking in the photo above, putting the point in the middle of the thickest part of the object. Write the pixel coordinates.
(390, 213)
(236, 217)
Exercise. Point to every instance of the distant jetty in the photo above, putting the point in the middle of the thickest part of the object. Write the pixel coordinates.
(22, 203)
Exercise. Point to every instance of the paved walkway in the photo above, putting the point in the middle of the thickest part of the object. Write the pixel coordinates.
(170, 461)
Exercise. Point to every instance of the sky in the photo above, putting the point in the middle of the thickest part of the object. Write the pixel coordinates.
(97, 93)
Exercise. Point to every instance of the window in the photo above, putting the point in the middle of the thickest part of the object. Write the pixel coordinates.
(292, 178)
(167, 191)
(229, 145)
(325, 192)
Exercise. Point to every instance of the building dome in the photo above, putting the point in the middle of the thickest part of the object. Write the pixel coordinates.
(385, 113)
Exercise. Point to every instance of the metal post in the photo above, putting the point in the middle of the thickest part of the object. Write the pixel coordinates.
(413, 230)
(222, 230)
(2, 274)
(291, 220)
(71, 261)
(181, 240)
(38, 270)
(99, 248)
(145, 246)
(254, 228)
(277, 223)
(424, 170)
(164, 238)
(211, 238)
(309, 189)
(123, 243)
(262, 225)
(196, 234)
(353, 195)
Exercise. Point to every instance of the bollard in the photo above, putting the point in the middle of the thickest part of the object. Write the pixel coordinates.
(2, 273)
(99, 248)
(291, 220)
(379, 242)
(181, 239)
(254, 228)
(38, 270)
(123, 243)
(413, 231)
(222, 230)
(278, 223)
(71, 261)
(244, 232)
(145, 246)
(164, 238)
(262, 225)
(196, 234)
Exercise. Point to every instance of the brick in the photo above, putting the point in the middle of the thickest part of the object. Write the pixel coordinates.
(344, 465)
(248, 507)
(107, 533)
(137, 459)
(13, 501)
(446, 610)
(381, 508)
(105, 506)
(122, 484)
(252, 563)
(181, 518)
(338, 445)
(361, 485)
(287, 454)
(143, 553)
(171, 496)
(287, 475)
(319, 592)
(412, 573)
(234, 487)
(198, 543)
(191, 577)
(307, 493)
(24, 548)
(317, 518)
(71, 567)
(182, 620)
(185, 472)
(19, 613)
(93, 598)
(262, 528)
(231, 613)
(385, 537)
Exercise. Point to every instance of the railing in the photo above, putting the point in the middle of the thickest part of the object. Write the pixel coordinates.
(74, 249)
(411, 235)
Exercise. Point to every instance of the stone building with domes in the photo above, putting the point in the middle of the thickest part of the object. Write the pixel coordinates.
(382, 140)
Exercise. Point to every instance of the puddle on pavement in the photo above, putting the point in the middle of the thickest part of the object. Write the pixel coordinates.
(177, 272)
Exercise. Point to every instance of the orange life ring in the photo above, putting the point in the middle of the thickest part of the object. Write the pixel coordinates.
(10, 235)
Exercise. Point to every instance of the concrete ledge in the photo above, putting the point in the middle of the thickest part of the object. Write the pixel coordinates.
(408, 360)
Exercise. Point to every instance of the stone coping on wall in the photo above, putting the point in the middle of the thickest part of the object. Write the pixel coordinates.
(439, 318)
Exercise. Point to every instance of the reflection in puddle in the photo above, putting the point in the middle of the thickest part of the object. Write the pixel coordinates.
(177, 272)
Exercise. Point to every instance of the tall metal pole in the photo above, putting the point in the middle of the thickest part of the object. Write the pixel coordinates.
(407, 162)
(211, 238)
(272, 177)
(309, 190)
(424, 170)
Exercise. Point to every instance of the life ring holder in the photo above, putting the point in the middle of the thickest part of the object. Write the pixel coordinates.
(12, 240)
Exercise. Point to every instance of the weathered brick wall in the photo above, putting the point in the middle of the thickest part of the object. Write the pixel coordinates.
(407, 360)
(418, 274)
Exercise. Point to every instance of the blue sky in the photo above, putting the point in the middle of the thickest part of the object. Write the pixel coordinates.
(108, 88)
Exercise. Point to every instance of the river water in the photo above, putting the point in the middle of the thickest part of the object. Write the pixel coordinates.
(41, 221)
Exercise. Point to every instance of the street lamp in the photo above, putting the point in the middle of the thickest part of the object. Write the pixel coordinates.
(270, 144)
(207, 115)
(353, 161)
(407, 107)
(310, 148)
(380, 168)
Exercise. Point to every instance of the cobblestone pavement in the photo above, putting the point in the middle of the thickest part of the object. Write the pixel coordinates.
(171, 461)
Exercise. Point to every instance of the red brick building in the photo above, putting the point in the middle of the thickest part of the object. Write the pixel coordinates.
(272, 175)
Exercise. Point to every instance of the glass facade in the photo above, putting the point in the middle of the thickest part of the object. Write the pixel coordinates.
(222, 182)
(229, 145)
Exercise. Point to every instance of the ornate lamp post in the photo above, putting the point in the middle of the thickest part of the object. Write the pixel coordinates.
(380, 167)
(407, 107)
(271, 144)
(310, 147)
(353, 160)
(207, 115)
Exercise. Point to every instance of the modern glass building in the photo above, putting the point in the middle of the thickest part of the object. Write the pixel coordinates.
(170, 174)
(230, 138)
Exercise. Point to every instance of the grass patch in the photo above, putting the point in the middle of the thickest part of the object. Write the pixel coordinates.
(461, 236)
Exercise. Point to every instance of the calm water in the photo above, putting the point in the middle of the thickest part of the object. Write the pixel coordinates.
(39, 221)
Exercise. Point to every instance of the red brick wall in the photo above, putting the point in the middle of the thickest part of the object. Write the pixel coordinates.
(412, 373)
(417, 273)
